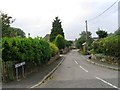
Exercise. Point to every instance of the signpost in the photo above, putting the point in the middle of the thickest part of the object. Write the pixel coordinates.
(17, 66)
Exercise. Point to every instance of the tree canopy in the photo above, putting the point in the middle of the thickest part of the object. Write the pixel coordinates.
(101, 33)
(19, 32)
(6, 21)
(82, 39)
(7, 30)
(56, 29)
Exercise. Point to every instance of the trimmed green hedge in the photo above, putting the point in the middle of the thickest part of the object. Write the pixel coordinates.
(108, 46)
(26, 49)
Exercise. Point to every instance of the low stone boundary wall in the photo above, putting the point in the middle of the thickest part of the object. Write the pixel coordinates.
(106, 59)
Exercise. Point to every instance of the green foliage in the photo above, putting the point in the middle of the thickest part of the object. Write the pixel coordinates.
(82, 39)
(6, 51)
(60, 41)
(54, 49)
(7, 30)
(101, 33)
(6, 21)
(117, 32)
(68, 43)
(26, 49)
(34, 52)
(92, 51)
(56, 29)
(108, 46)
(18, 32)
(79, 42)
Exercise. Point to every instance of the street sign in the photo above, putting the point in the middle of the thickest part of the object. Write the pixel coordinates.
(19, 64)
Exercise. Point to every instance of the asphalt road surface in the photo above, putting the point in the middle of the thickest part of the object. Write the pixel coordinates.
(76, 72)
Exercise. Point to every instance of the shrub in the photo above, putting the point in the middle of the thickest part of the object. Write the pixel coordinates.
(26, 49)
(108, 46)
(54, 49)
(60, 41)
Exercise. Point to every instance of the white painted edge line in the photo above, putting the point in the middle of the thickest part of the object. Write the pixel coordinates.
(107, 83)
(76, 62)
(83, 69)
(48, 75)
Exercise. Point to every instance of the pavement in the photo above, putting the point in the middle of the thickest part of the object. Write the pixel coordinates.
(77, 72)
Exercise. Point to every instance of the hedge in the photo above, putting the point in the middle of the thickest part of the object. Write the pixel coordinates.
(26, 49)
(34, 52)
(108, 46)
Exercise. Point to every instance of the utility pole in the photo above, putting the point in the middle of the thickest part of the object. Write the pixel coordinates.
(86, 36)
(86, 31)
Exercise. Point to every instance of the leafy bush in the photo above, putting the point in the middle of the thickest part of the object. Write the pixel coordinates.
(108, 46)
(34, 52)
(26, 49)
(54, 49)
(60, 41)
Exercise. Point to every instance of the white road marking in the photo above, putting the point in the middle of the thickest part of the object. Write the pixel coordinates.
(83, 69)
(76, 62)
(107, 82)
(81, 66)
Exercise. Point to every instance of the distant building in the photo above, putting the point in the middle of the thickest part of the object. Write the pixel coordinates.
(95, 38)
(73, 45)
(47, 37)
(84, 44)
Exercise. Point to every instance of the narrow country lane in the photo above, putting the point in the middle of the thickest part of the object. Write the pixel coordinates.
(76, 72)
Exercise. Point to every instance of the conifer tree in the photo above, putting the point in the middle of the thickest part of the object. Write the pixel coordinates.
(56, 29)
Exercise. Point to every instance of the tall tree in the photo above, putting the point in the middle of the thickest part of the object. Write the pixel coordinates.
(7, 30)
(6, 21)
(56, 29)
(101, 33)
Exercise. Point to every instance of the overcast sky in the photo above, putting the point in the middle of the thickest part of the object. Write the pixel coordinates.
(36, 16)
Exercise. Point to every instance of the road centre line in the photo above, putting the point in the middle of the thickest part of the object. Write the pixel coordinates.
(107, 83)
(76, 62)
(81, 66)
(83, 69)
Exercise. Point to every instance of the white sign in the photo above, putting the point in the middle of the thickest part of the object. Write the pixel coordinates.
(19, 64)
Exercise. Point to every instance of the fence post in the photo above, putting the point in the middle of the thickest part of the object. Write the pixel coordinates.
(17, 74)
